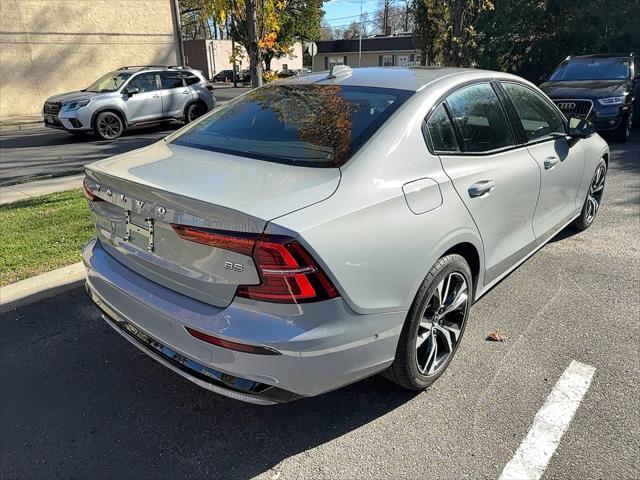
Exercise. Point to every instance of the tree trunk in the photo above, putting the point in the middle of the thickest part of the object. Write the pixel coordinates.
(267, 62)
(253, 49)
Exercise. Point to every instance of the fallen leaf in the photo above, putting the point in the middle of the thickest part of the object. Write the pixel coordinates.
(497, 336)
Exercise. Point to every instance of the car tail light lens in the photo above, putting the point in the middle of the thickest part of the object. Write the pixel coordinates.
(287, 271)
(88, 193)
(236, 242)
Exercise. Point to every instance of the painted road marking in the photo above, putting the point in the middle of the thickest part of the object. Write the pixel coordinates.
(549, 424)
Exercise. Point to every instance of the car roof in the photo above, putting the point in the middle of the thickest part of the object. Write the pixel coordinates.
(401, 78)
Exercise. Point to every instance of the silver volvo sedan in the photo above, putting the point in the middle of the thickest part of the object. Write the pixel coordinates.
(325, 228)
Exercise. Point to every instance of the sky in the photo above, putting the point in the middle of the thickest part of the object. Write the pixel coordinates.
(343, 12)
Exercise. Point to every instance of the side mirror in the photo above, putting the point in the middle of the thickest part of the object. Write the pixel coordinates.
(132, 91)
(580, 127)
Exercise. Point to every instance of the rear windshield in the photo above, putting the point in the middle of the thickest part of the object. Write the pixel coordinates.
(308, 125)
(593, 69)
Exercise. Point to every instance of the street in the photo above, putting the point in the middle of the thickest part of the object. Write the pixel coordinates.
(79, 401)
(41, 152)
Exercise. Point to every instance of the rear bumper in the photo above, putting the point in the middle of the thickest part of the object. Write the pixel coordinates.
(322, 346)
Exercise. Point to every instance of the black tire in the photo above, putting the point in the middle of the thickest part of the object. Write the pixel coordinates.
(593, 200)
(623, 132)
(194, 111)
(406, 370)
(108, 126)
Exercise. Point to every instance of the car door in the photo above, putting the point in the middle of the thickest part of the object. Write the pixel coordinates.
(175, 94)
(144, 105)
(561, 162)
(497, 181)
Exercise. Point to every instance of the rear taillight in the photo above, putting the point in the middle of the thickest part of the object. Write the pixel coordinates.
(287, 271)
(210, 87)
(88, 193)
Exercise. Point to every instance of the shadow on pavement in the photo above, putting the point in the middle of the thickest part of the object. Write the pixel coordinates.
(80, 401)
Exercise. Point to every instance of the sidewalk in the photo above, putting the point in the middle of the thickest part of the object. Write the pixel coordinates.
(28, 190)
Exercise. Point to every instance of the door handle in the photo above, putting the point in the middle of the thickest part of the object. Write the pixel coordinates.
(156, 95)
(550, 162)
(480, 188)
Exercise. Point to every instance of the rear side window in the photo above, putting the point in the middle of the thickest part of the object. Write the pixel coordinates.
(538, 118)
(480, 118)
(441, 133)
(191, 79)
(170, 80)
(308, 125)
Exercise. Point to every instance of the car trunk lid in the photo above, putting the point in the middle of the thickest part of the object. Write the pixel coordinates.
(143, 193)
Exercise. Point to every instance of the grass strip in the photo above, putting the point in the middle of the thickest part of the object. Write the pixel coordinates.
(42, 234)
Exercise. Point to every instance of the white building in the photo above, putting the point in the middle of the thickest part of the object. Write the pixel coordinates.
(376, 52)
(213, 56)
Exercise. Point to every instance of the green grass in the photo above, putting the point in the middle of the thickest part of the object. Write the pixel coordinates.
(42, 233)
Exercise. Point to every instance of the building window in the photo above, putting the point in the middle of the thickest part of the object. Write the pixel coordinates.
(412, 58)
(387, 60)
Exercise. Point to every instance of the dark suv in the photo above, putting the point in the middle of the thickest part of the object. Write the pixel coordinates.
(604, 88)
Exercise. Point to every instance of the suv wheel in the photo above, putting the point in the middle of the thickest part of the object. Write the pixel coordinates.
(195, 110)
(108, 126)
(434, 325)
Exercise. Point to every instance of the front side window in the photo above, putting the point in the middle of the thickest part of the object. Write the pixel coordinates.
(538, 118)
(145, 82)
(109, 82)
(308, 125)
(441, 133)
(170, 80)
(614, 68)
(480, 118)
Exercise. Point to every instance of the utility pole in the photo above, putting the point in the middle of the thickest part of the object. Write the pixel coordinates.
(360, 36)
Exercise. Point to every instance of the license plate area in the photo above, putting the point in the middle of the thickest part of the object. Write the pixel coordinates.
(139, 230)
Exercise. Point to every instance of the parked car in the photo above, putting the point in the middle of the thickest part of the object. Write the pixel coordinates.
(325, 228)
(225, 76)
(128, 97)
(602, 88)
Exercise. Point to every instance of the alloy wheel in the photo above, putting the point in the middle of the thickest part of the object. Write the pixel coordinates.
(109, 126)
(441, 323)
(596, 189)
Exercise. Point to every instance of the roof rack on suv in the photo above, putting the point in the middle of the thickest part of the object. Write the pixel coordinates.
(145, 67)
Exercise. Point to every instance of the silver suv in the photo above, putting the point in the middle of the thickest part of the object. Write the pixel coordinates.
(131, 96)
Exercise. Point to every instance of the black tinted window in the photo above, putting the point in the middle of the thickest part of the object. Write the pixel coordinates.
(478, 114)
(145, 82)
(171, 80)
(191, 79)
(538, 118)
(441, 132)
(593, 69)
(309, 125)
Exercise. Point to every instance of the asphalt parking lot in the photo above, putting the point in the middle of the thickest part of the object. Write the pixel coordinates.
(78, 401)
(41, 152)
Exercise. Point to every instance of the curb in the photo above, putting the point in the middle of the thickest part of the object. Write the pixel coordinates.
(40, 287)
(20, 127)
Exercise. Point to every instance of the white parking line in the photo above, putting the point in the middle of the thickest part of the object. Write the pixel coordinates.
(550, 423)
